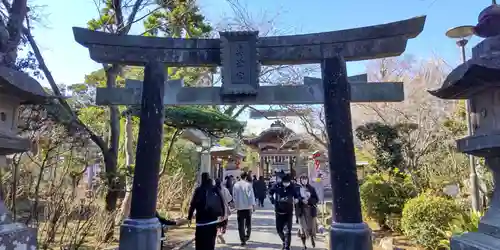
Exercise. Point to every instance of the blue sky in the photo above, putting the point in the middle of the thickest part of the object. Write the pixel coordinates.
(69, 62)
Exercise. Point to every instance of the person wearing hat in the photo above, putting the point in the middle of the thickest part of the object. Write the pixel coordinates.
(283, 196)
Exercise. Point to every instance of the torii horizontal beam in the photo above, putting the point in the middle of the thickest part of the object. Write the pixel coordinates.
(311, 92)
(355, 44)
(259, 114)
(276, 113)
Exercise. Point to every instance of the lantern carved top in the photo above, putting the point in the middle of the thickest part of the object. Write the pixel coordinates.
(21, 85)
(488, 22)
(471, 77)
(482, 71)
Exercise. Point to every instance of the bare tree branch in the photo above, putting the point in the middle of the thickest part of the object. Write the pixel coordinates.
(43, 66)
(169, 150)
(131, 17)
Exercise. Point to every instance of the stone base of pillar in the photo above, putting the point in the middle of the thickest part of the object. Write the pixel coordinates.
(15, 235)
(474, 241)
(346, 236)
(141, 234)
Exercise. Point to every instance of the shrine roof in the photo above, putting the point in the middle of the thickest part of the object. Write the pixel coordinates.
(299, 143)
(221, 151)
(276, 130)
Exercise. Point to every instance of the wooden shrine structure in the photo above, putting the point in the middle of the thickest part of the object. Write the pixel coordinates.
(280, 148)
(224, 159)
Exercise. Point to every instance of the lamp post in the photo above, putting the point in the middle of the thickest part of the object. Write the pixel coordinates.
(462, 34)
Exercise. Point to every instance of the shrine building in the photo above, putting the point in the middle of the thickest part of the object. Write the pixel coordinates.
(280, 148)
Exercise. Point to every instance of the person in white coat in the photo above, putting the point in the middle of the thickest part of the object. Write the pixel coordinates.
(228, 198)
(244, 203)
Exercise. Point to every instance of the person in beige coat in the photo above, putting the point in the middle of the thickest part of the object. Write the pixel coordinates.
(228, 198)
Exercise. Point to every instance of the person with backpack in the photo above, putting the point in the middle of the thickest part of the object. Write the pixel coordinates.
(283, 195)
(208, 203)
(244, 203)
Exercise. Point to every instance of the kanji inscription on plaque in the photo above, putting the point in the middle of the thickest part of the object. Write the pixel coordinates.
(240, 66)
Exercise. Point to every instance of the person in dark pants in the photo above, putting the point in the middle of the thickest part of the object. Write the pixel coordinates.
(209, 205)
(306, 211)
(260, 190)
(284, 196)
(244, 203)
(229, 183)
(254, 181)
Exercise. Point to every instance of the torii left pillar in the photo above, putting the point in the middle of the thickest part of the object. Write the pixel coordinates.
(142, 229)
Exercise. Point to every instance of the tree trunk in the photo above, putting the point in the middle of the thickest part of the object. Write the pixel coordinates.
(127, 201)
(110, 157)
(10, 35)
(129, 154)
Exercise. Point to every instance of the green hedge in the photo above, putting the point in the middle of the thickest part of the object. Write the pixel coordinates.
(383, 197)
(426, 218)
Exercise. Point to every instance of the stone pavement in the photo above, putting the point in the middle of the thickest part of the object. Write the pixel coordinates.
(264, 236)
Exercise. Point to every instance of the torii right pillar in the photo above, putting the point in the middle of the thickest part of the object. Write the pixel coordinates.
(478, 80)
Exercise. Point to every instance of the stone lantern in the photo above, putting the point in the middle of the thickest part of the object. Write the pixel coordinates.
(478, 80)
(16, 89)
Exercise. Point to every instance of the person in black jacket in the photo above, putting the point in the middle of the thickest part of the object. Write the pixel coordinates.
(230, 183)
(283, 196)
(207, 218)
(164, 223)
(260, 190)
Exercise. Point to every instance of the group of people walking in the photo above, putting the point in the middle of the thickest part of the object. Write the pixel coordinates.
(213, 202)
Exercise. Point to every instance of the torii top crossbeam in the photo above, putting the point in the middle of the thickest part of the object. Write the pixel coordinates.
(362, 43)
(241, 53)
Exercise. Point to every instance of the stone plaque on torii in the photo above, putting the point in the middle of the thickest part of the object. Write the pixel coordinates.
(240, 55)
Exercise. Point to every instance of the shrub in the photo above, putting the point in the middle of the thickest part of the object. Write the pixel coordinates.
(467, 221)
(426, 217)
(383, 197)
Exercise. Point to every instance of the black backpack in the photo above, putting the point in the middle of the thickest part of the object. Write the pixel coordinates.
(213, 204)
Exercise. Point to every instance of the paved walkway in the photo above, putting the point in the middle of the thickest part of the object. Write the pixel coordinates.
(263, 235)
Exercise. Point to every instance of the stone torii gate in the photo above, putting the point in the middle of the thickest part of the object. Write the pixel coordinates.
(240, 55)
